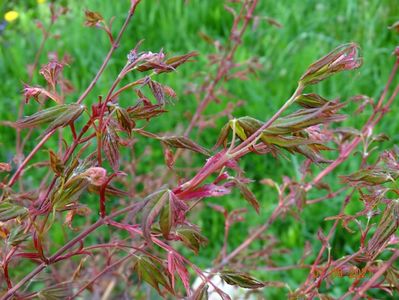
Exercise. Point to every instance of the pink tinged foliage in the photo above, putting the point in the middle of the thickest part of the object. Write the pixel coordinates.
(145, 61)
(111, 147)
(344, 57)
(162, 217)
(168, 207)
(208, 190)
(5, 167)
(51, 72)
(176, 265)
(96, 175)
(35, 92)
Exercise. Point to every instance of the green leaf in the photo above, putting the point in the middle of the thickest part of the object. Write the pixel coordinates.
(145, 111)
(56, 163)
(236, 126)
(184, 143)
(202, 294)
(344, 57)
(41, 117)
(124, 119)
(166, 219)
(176, 61)
(224, 134)
(310, 100)
(69, 191)
(191, 237)
(241, 279)
(17, 236)
(59, 291)
(58, 116)
(372, 176)
(9, 211)
(152, 273)
(388, 225)
(152, 209)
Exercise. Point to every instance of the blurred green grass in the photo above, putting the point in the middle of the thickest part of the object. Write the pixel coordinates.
(310, 29)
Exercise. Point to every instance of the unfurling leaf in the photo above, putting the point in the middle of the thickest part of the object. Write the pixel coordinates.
(92, 18)
(202, 294)
(290, 132)
(185, 143)
(152, 209)
(97, 176)
(109, 191)
(59, 291)
(191, 237)
(51, 71)
(69, 191)
(223, 136)
(157, 91)
(152, 272)
(157, 62)
(388, 225)
(310, 100)
(297, 121)
(372, 176)
(166, 219)
(57, 116)
(176, 61)
(145, 111)
(80, 210)
(241, 279)
(344, 57)
(42, 117)
(111, 147)
(207, 190)
(248, 195)
(175, 264)
(236, 126)
(9, 211)
(17, 236)
(151, 61)
(172, 213)
(169, 91)
(169, 157)
(56, 163)
(35, 91)
(124, 119)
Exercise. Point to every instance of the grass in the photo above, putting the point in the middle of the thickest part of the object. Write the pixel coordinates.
(310, 29)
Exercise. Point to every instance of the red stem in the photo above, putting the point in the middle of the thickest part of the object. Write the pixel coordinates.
(111, 51)
(17, 173)
(132, 208)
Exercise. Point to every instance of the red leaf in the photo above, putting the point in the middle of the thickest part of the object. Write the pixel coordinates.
(157, 91)
(51, 71)
(35, 91)
(248, 195)
(208, 190)
(175, 264)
